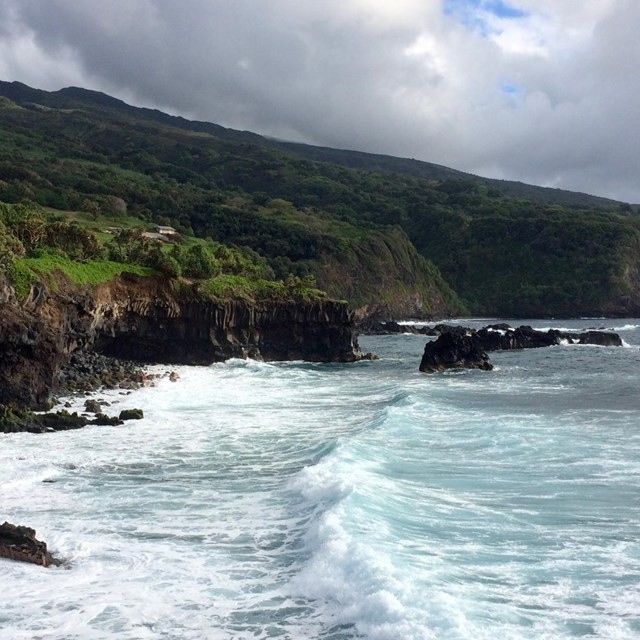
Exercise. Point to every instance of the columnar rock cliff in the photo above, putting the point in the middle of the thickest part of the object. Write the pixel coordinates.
(144, 319)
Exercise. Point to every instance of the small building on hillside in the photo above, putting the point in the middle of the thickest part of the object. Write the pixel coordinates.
(166, 231)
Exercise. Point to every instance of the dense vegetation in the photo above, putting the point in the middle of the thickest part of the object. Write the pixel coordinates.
(381, 236)
(36, 244)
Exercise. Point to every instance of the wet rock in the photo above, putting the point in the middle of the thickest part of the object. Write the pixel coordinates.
(502, 337)
(61, 421)
(454, 350)
(92, 406)
(16, 420)
(20, 543)
(499, 326)
(131, 414)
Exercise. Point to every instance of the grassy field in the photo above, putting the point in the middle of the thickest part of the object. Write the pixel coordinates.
(26, 271)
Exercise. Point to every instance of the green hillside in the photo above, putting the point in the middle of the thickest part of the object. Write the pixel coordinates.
(393, 236)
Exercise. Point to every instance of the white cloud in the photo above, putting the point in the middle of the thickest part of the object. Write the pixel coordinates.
(397, 77)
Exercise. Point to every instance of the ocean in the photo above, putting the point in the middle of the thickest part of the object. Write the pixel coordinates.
(341, 501)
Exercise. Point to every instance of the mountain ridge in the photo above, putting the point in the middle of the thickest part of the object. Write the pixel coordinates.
(349, 158)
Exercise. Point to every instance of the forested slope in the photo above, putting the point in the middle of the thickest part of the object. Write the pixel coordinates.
(385, 237)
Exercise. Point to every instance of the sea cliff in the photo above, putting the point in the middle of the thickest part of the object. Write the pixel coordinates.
(151, 320)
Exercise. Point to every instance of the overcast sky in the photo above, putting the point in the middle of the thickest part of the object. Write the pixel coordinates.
(543, 91)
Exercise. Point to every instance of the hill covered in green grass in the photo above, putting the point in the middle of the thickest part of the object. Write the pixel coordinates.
(393, 236)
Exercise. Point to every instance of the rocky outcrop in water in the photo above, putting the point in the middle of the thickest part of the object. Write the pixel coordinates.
(504, 338)
(20, 543)
(454, 350)
(461, 347)
(60, 339)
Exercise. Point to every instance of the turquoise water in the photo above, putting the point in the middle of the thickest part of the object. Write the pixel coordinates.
(343, 501)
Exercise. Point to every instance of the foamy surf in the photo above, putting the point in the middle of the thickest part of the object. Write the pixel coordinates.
(338, 502)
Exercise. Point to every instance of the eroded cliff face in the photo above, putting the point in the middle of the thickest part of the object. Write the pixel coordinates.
(151, 324)
(143, 319)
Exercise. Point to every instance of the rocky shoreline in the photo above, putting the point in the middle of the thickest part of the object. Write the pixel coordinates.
(87, 371)
(84, 374)
(64, 338)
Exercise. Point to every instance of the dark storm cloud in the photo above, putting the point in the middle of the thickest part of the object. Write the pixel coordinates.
(538, 93)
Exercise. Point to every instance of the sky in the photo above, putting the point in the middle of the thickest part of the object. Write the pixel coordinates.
(542, 91)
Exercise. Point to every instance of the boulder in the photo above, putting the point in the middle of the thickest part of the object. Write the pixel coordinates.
(526, 337)
(92, 406)
(131, 414)
(61, 421)
(454, 350)
(20, 543)
(439, 329)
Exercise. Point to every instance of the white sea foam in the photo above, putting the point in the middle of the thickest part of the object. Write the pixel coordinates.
(626, 327)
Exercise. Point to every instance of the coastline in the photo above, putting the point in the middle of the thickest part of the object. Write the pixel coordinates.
(144, 320)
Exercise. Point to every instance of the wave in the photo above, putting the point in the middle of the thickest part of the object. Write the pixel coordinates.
(351, 582)
(626, 327)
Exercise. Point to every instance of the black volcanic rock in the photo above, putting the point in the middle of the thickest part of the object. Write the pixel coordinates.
(500, 339)
(504, 338)
(131, 414)
(601, 338)
(454, 350)
(461, 347)
(30, 356)
(384, 328)
(20, 543)
(103, 420)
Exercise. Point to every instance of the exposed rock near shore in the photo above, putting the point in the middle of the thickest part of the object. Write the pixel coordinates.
(503, 338)
(19, 420)
(454, 350)
(61, 339)
(20, 543)
(87, 371)
(460, 347)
